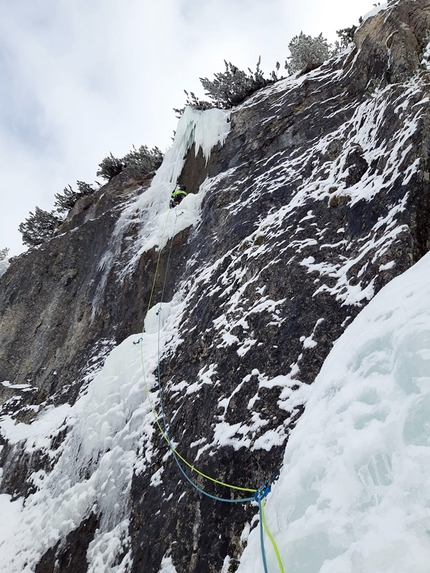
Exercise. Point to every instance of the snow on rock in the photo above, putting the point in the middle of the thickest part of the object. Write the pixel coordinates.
(381, 6)
(313, 198)
(157, 316)
(167, 566)
(38, 434)
(150, 211)
(113, 420)
(354, 494)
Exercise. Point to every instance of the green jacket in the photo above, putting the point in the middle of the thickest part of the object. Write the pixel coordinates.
(179, 192)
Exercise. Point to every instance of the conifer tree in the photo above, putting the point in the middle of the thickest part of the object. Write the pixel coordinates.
(229, 88)
(109, 167)
(38, 227)
(346, 35)
(307, 53)
(66, 201)
(4, 263)
(140, 161)
(233, 86)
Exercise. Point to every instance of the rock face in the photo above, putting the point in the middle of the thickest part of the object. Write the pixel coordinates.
(318, 197)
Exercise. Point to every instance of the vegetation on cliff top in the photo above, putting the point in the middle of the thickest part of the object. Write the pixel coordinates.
(233, 86)
(228, 89)
(42, 225)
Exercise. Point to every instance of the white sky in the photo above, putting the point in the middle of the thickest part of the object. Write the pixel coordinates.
(82, 78)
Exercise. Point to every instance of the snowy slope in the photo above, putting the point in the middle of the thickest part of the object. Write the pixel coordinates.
(354, 493)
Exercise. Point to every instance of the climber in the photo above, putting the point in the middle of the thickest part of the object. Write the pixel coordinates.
(178, 194)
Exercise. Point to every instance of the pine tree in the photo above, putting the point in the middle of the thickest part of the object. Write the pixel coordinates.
(109, 167)
(229, 88)
(346, 35)
(4, 263)
(68, 199)
(64, 202)
(232, 87)
(38, 227)
(140, 161)
(307, 53)
(194, 102)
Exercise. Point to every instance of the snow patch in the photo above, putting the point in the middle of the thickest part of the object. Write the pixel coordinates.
(150, 211)
(40, 432)
(167, 566)
(159, 223)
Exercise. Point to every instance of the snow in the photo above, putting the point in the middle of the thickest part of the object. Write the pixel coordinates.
(339, 265)
(110, 428)
(425, 60)
(39, 434)
(23, 387)
(375, 10)
(157, 316)
(167, 565)
(205, 129)
(352, 491)
(4, 264)
(353, 495)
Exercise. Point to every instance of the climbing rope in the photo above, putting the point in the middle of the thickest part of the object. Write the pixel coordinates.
(259, 494)
(260, 498)
(164, 431)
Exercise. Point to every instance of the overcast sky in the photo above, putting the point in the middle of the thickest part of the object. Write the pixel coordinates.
(82, 78)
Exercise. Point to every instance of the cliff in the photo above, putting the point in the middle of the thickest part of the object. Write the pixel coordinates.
(305, 202)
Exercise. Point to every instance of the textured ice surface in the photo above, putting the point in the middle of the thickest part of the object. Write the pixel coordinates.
(354, 493)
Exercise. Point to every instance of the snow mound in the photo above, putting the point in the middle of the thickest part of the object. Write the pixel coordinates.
(354, 493)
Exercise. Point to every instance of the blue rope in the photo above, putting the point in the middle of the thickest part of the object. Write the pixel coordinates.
(259, 495)
(198, 488)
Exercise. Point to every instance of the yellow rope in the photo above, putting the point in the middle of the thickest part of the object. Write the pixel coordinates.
(174, 450)
(157, 421)
(272, 539)
(155, 277)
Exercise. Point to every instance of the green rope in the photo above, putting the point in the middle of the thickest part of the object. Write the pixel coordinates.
(174, 450)
(270, 536)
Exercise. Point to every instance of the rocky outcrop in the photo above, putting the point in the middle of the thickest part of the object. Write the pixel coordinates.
(318, 198)
(59, 305)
